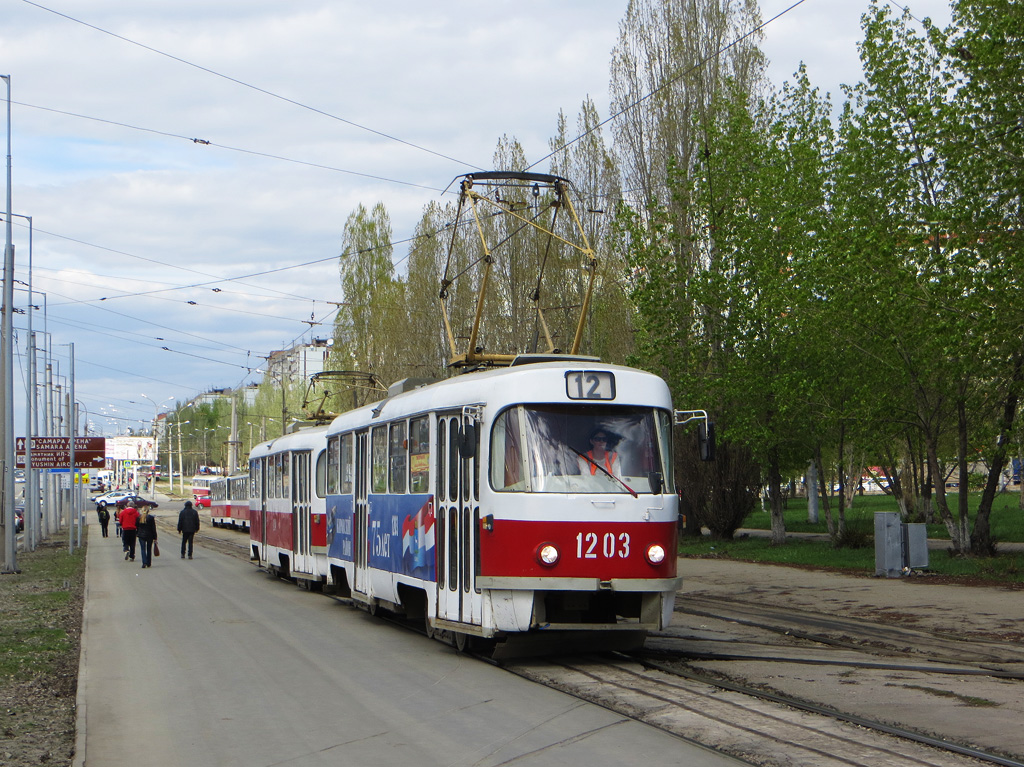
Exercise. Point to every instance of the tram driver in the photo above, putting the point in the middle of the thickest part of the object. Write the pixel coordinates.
(601, 455)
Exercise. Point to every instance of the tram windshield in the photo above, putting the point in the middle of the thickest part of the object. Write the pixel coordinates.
(569, 449)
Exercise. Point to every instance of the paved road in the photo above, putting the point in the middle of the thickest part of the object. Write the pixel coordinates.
(213, 662)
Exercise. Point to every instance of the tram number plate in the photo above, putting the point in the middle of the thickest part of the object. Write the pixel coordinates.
(607, 546)
(590, 384)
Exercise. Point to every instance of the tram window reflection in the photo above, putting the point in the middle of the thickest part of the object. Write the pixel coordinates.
(562, 449)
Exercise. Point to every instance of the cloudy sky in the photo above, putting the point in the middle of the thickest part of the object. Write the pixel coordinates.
(175, 265)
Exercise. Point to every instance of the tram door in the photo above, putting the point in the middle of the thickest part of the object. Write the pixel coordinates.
(258, 496)
(457, 491)
(301, 506)
(359, 528)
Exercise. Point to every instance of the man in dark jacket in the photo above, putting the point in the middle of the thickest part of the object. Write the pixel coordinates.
(188, 526)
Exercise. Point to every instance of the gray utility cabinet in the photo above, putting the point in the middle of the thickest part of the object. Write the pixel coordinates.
(899, 547)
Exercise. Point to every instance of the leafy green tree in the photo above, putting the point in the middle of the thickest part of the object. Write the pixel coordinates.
(369, 329)
(987, 154)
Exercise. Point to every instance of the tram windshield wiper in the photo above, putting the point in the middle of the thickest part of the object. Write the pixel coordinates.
(592, 462)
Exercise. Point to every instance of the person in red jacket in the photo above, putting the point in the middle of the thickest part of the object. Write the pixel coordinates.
(129, 528)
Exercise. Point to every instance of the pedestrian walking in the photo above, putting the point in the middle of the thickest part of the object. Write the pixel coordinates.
(188, 526)
(147, 536)
(117, 523)
(129, 529)
(104, 516)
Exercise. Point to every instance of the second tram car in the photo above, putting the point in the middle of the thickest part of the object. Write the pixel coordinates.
(287, 505)
(515, 501)
(229, 501)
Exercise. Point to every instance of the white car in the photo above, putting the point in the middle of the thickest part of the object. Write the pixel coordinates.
(111, 498)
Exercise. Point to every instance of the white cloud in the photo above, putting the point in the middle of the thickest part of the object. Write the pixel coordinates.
(120, 210)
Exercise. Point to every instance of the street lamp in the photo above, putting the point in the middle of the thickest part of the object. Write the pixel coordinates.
(31, 479)
(156, 435)
(7, 377)
(181, 466)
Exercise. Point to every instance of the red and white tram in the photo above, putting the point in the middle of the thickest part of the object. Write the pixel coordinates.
(229, 501)
(516, 501)
(201, 490)
(287, 504)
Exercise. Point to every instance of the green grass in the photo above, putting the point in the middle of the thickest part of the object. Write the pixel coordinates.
(34, 606)
(1007, 519)
(1007, 525)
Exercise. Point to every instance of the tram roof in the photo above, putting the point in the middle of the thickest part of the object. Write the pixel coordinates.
(310, 438)
(535, 383)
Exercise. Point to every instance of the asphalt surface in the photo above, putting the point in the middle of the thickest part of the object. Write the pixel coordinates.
(213, 662)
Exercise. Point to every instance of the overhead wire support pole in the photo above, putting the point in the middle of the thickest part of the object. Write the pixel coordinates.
(76, 518)
(7, 379)
(33, 531)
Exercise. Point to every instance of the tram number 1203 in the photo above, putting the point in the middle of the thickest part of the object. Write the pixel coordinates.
(609, 545)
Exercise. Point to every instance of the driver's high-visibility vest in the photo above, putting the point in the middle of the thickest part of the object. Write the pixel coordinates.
(609, 459)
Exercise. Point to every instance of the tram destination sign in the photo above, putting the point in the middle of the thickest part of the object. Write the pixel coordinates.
(55, 452)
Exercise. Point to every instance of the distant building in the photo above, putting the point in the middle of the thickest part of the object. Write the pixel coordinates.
(210, 397)
(301, 361)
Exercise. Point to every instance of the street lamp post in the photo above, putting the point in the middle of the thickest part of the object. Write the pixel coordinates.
(170, 454)
(7, 378)
(32, 531)
(156, 437)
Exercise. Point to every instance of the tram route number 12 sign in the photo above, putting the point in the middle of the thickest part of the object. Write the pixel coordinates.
(55, 452)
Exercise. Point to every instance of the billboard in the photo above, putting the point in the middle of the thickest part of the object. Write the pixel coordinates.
(138, 449)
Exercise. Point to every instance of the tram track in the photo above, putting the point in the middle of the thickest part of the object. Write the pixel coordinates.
(762, 728)
(664, 686)
(859, 634)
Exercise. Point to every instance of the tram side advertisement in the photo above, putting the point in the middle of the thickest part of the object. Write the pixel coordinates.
(400, 534)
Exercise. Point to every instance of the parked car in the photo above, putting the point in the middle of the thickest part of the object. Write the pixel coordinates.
(19, 519)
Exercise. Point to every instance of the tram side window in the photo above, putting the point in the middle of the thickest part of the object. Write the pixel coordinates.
(419, 455)
(333, 465)
(398, 461)
(321, 475)
(346, 464)
(507, 471)
(286, 475)
(379, 460)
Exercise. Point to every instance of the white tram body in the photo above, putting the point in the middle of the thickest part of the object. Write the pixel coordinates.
(287, 505)
(229, 501)
(473, 504)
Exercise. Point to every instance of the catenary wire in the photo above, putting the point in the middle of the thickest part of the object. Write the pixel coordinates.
(249, 85)
(254, 152)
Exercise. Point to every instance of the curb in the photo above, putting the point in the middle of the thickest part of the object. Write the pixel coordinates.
(78, 760)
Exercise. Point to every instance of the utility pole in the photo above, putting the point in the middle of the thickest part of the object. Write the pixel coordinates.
(8, 526)
(233, 443)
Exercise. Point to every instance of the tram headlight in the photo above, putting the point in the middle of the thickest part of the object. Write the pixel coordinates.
(547, 554)
(655, 553)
